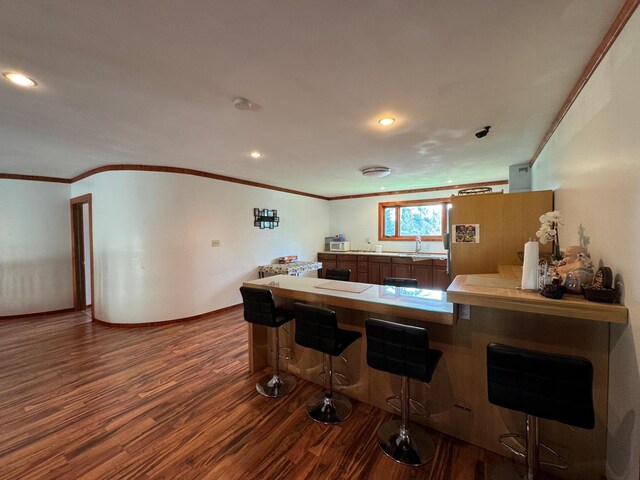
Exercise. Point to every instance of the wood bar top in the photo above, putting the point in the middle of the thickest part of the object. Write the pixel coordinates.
(499, 290)
(414, 303)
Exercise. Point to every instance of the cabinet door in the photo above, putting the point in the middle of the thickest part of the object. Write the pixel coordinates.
(385, 271)
(374, 273)
(363, 269)
(423, 274)
(401, 270)
(440, 278)
(328, 261)
(349, 263)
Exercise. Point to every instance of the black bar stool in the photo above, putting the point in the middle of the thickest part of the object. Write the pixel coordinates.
(400, 282)
(338, 274)
(260, 308)
(317, 328)
(402, 350)
(541, 385)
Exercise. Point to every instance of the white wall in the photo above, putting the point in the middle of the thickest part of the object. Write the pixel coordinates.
(35, 247)
(357, 218)
(152, 236)
(593, 163)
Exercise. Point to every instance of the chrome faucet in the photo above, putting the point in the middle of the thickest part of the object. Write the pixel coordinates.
(418, 244)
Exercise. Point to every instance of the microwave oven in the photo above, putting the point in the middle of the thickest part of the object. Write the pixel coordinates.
(340, 246)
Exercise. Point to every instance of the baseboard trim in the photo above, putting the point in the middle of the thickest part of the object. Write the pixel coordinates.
(38, 314)
(167, 322)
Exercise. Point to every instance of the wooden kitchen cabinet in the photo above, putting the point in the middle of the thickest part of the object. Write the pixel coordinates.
(430, 273)
(423, 273)
(440, 275)
(363, 269)
(349, 262)
(328, 261)
(401, 268)
(379, 268)
(408, 268)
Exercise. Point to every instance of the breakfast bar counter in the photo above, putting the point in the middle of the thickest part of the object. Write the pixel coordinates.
(457, 396)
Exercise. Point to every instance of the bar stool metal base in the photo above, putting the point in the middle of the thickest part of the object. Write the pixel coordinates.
(274, 386)
(329, 408)
(414, 447)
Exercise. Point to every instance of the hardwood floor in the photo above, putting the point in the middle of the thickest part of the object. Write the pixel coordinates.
(84, 400)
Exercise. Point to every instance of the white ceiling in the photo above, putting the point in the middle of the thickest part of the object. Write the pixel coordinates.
(152, 82)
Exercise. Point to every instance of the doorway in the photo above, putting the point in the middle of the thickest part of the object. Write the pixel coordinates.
(82, 253)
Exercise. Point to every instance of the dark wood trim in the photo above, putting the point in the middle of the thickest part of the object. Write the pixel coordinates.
(189, 171)
(403, 203)
(422, 190)
(224, 178)
(167, 322)
(33, 178)
(603, 48)
(87, 198)
(38, 314)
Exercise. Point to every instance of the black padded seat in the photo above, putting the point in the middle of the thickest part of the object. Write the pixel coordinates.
(400, 282)
(540, 385)
(545, 385)
(402, 350)
(260, 309)
(317, 328)
(342, 274)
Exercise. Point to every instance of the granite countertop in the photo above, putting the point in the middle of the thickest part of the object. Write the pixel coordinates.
(425, 255)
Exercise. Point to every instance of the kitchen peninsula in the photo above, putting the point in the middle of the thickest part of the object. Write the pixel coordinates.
(457, 395)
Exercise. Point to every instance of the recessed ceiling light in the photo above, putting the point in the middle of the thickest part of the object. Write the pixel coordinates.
(386, 121)
(255, 154)
(381, 188)
(449, 181)
(19, 79)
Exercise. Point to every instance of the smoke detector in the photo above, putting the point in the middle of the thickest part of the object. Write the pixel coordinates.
(241, 103)
(376, 172)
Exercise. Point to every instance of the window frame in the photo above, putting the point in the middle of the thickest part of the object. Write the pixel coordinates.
(443, 202)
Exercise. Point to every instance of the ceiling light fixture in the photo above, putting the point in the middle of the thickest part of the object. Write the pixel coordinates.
(386, 121)
(255, 154)
(19, 79)
(376, 172)
(449, 181)
(242, 103)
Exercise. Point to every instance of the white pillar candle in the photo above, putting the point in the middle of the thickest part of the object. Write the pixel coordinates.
(530, 267)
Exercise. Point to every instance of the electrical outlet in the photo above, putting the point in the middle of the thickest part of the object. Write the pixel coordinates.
(464, 312)
(215, 243)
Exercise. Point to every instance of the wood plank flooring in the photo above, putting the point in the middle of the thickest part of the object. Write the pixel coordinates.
(84, 400)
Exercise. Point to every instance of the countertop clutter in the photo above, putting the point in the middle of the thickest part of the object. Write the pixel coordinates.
(500, 291)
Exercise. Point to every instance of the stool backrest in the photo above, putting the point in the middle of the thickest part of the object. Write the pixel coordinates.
(316, 328)
(399, 349)
(545, 385)
(338, 274)
(259, 306)
(400, 282)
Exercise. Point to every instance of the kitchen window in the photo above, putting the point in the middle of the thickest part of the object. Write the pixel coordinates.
(406, 220)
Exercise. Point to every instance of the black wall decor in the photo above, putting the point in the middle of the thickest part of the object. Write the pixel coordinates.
(265, 218)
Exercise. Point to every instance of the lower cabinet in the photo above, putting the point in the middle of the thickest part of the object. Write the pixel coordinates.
(440, 276)
(328, 261)
(375, 268)
(348, 262)
(379, 269)
(420, 270)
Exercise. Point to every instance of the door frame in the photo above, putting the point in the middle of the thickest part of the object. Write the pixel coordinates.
(72, 204)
